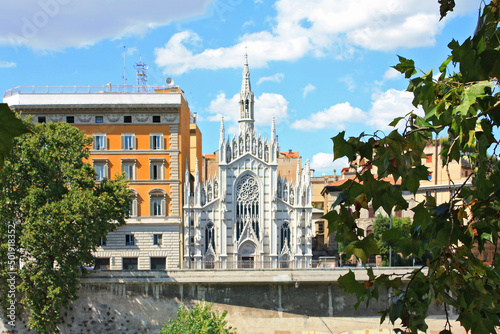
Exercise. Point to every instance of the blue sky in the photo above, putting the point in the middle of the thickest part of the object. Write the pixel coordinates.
(318, 67)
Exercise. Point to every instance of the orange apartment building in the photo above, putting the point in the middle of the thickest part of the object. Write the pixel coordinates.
(147, 133)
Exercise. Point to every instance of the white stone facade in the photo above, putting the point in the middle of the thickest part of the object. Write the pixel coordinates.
(248, 215)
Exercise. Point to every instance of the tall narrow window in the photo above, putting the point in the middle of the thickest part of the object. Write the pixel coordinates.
(156, 141)
(128, 167)
(101, 168)
(100, 142)
(128, 141)
(209, 237)
(158, 207)
(133, 212)
(284, 236)
(157, 168)
(247, 206)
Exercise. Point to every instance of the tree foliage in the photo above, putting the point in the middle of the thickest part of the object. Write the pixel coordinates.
(460, 101)
(198, 320)
(10, 127)
(401, 228)
(53, 215)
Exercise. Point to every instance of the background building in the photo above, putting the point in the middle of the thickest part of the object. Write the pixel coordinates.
(147, 133)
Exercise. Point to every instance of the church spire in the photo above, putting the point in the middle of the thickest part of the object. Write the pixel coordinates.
(246, 101)
(222, 132)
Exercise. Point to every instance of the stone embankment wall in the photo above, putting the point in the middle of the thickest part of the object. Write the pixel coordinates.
(278, 301)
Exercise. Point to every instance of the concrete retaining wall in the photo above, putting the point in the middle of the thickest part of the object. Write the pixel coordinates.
(279, 301)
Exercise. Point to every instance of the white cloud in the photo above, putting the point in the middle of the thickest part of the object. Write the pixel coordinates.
(391, 73)
(323, 162)
(273, 78)
(57, 24)
(349, 82)
(388, 105)
(267, 105)
(333, 27)
(7, 64)
(335, 117)
(385, 107)
(307, 89)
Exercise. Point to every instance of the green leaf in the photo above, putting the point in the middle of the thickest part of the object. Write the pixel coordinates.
(405, 66)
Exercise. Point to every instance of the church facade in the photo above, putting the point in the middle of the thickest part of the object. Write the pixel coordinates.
(252, 212)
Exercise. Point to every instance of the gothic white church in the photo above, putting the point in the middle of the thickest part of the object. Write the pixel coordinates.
(251, 213)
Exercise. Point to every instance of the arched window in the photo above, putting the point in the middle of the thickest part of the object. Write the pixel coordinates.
(203, 197)
(209, 193)
(247, 143)
(285, 236)
(228, 153)
(247, 205)
(210, 236)
(278, 191)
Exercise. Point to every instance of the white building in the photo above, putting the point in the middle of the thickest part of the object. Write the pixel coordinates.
(248, 214)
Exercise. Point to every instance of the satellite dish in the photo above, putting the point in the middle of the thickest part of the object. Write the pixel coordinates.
(169, 81)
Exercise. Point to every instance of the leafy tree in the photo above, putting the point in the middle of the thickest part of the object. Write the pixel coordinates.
(10, 127)
(461, 101)
(381, 224)
(198, 320)
(52, 216)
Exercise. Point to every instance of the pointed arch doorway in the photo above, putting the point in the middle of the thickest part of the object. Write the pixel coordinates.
(247, 255)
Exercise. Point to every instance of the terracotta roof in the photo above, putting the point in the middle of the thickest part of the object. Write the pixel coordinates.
(210, 156)
(338, 183)
(290, 154)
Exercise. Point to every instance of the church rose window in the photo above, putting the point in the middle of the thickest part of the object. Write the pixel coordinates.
(247, 205)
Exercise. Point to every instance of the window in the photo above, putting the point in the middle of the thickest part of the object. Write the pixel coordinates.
(103, 242)
(133, 207)
(42, 119)
(156, 119)
(70, 119)
(129, 263)
(156, 169)
(101, 264)
(210, 237)
(156, 141)
(128, 141)
(285, 237)
(129, 240)
(157, 239)
(127, 119)
(158, 205)
(101, 169)
(99, 119)
(100, 142)
(128, 167)
(158, 263)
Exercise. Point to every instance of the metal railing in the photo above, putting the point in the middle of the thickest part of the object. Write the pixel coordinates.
(89, 89)
(256, 264)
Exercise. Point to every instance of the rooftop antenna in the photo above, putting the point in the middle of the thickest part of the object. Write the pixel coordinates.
(124, 68)
(142, 78)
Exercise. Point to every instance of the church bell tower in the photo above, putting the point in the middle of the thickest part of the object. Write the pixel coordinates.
(246, 120)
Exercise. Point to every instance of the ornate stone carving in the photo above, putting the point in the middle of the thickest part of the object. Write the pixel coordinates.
(84, 118)
(170, 118)
(56, 118)
(113, 118)
(141, 118)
